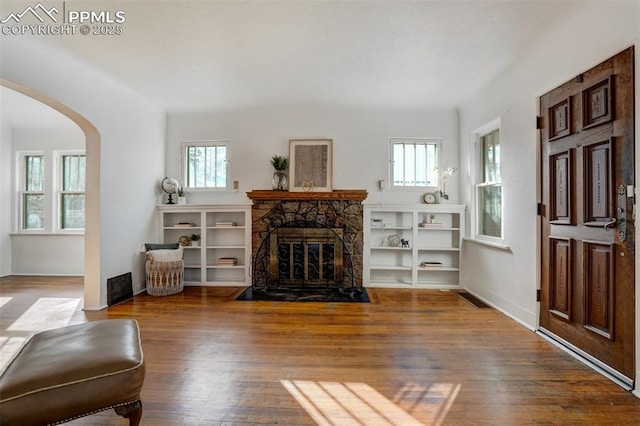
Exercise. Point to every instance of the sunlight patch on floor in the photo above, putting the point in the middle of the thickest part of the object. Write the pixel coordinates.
(330, 403)
(4, 300)
(46, 313)
(430, 403)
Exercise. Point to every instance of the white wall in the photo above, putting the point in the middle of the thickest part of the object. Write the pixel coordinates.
(48, 255)
(41, 253)
(596, 32)
(126, 155)
(360, 143)
(5, 194)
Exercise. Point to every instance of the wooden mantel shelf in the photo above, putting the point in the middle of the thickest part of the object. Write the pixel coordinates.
(337, 195)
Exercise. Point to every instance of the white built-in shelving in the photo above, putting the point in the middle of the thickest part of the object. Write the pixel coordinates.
(430, 255)
(225, 232)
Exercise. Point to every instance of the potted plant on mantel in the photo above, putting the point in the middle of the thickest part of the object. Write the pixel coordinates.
(279, 181)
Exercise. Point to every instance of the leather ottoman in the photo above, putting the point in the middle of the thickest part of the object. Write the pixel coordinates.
(75, 371)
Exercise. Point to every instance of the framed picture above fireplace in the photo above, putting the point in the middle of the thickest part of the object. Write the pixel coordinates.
(311, 166)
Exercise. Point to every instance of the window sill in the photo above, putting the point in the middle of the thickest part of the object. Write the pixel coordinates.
(47, 234)
(500, 246)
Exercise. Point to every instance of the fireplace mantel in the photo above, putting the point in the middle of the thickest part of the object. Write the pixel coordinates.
(337, 195)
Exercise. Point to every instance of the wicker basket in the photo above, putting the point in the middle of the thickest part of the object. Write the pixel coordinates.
(164, 278)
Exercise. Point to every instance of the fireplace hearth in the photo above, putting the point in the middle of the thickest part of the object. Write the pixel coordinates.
(307, 242)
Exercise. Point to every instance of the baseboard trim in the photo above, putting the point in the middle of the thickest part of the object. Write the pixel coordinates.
(34, 274)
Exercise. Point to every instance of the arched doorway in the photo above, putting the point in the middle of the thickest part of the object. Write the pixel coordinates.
(92, 287)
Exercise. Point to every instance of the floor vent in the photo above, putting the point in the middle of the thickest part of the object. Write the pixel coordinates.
(119, 288)
(474, 300)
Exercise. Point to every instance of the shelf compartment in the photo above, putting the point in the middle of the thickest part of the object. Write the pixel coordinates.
(390, 267)
(192, 274)
(171, 219)
(230, 217)
(225, 275)
(390, 277)
(225, 237)
(391, 220)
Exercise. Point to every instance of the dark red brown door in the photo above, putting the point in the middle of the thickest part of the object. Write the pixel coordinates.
(587, 152)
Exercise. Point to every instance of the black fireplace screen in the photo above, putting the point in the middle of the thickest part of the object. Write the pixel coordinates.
(303, 255)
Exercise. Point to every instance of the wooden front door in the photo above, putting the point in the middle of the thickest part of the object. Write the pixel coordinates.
(587, 172)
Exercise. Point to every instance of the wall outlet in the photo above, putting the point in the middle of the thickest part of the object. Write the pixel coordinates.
(381, 184)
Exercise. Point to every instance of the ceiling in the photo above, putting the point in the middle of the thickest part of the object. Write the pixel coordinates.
(211, 54)
(188, 55)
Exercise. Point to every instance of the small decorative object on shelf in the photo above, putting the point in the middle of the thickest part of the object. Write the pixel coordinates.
(394, 241)
(184, 225)
(427, 265)
(442, 178)
(280, 180)
(405, 243)
(227, 224)
(184, 240)
(195, 240)
(170, 186)
(430, 198)
(431, 223)
(182, 195)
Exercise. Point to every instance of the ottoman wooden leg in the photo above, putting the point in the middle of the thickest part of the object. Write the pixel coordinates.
(132, 411)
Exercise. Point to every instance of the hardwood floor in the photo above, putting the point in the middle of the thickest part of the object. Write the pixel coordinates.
(410, 357)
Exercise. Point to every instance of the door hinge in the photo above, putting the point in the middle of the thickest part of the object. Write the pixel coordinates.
(540, 209)
(538, 122)
(538, 292)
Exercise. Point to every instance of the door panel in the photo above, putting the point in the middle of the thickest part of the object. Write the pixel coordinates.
(598, 183)
(587, 151)
(561, 283)
(599, 288)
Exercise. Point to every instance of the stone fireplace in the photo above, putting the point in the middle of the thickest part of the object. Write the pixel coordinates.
(307, 239)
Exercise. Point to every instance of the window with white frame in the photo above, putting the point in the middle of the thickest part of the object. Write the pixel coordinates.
(32, 196)
(414, 162)
(488, 184)
(51, 191)
(72, 191)
(206, 164)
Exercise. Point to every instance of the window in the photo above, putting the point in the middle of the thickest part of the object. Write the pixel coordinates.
(72, 191)
(33, 197)
(414, 162)
(51, 191)
(206, 164)
(488, 187)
